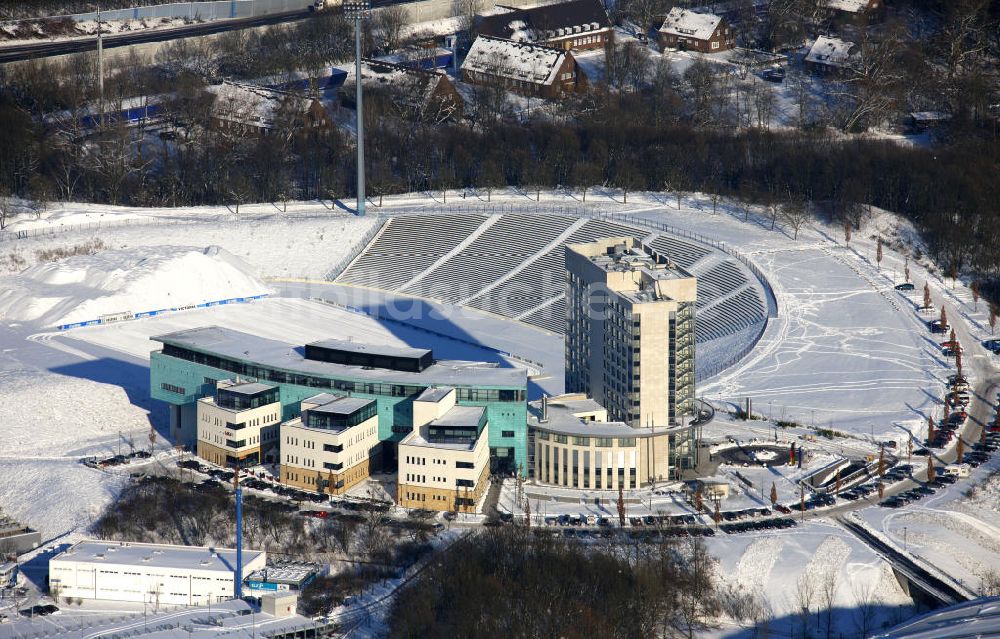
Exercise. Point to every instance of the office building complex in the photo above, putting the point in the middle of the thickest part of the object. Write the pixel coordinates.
(630, 337)
(332, 445)
(192, 362)
(444, 463)
(238, 423)
(574, 445)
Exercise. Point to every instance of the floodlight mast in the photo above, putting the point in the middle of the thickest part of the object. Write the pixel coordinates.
(358, 11)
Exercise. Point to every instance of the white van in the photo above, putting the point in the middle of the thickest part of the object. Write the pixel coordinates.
(958, 470)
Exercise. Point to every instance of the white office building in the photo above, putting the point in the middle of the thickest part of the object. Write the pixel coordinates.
(157, 574)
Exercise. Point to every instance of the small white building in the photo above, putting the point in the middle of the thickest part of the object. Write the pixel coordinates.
(149, 573)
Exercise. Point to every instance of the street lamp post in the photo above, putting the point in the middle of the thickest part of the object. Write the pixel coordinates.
(358, 11)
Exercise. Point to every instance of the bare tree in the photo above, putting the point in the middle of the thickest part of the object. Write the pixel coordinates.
(864, 605)
(389, 23)
(828, 597)
(795, 213)
(805, 593)
(6, 210)
(871, 79)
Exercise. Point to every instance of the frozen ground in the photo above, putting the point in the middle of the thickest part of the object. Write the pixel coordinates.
(296, 321)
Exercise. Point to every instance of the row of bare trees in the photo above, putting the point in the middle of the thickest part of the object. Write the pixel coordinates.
(508, 581)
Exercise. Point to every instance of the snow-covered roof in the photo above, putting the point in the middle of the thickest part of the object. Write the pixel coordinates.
(682, 22)
(832, 52)
(245, 347)
(251, 104)
(157, 555)
(850, 6)
(546, 22)
(976, 618)
(516, 60)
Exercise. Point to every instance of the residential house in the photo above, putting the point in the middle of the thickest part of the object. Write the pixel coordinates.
(690, 31)
(248, 109)
(529, 69)
(869, 10)
(829, 55)
(415, 93)
(578, 25)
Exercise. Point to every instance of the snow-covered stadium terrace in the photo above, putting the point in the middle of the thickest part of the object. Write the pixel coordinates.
(511, 264)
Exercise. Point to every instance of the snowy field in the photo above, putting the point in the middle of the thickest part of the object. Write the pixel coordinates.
(306, 241)
(83, 288)
(809, 567)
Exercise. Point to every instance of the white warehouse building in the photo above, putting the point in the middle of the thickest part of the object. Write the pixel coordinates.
(150, 573)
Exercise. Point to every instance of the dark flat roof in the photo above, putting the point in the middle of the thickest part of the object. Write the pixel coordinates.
(237, 345)
(349, 346)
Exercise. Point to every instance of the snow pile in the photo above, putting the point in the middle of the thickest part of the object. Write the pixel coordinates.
(86, 287)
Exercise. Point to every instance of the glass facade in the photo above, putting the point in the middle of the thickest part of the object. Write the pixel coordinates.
(186, 371)
(235, 400)
(337, 421)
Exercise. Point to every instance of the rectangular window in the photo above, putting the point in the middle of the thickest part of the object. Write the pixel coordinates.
(542, 435)
(605, 442)
(626, 441)
(331, 448)
(329, 466)
(561, 439)
(581, 441)
(506, 433)
(170, 388)
(460, 464)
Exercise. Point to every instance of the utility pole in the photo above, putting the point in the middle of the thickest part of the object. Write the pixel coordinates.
(100, 65)
(359, 10)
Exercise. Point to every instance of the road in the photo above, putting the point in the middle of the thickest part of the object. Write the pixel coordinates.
(35, 50)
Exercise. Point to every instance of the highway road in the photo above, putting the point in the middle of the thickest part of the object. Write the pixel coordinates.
(34, 50)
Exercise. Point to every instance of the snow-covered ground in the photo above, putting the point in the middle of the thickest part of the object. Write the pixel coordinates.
(794, 569)
(296, 321)
(84, 288)
(307, 240)
(43, 29)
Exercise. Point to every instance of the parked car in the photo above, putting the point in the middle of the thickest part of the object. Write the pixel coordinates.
(774, 74)
(937, 327)
(905, 286)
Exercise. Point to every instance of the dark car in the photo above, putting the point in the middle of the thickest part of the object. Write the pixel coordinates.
(937, 327)
(774, 74)
(905, 286)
